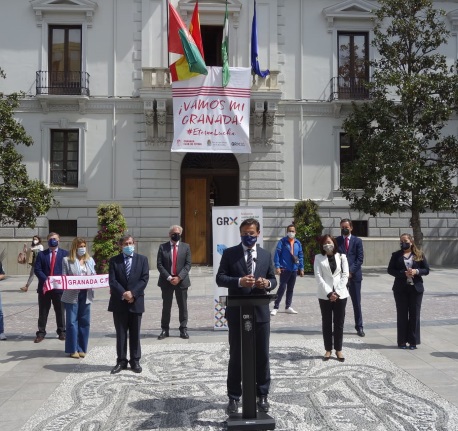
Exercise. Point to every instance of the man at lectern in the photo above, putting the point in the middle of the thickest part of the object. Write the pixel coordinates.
(247, 269)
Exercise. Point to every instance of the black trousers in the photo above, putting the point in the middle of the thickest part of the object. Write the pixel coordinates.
(44, 305)
(354, 288)
(333, 314)
(127, 325)
(181, 296)
(408, 307)
(234, 372)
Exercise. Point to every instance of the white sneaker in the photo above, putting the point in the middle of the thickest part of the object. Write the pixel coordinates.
(273, 312)
(290, 310)
(3, 336)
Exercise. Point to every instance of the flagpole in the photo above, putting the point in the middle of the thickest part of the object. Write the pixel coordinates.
(168, 33)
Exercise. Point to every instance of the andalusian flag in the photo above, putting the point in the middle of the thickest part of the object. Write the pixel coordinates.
(225, 51)
(181, 42)
(180, 70)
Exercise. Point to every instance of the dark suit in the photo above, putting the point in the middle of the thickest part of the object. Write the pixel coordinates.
(164, 266)
(127, 316)
(232, 267)
(42, 271)
(408, 297)
(355, 257)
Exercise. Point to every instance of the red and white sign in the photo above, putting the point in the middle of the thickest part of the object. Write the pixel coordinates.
(209, 118)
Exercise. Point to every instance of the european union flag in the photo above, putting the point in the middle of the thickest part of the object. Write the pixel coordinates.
(254, 48)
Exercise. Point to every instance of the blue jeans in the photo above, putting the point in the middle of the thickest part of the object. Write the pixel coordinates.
(2, 328)
(287, 282)
(78, 324)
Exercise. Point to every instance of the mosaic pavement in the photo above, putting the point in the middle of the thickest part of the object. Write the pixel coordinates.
(182, 387)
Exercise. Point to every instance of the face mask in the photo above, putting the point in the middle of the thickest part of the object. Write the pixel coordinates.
(248, 240)
(35, 242)
(328, 247)
(345, 231)
(175, 237)
(291, 235)
(52, 242)
(405, 245)
(128, 249)
(81, 251)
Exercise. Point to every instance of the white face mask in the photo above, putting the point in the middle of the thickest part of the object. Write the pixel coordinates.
(328, 247)
(291, 235)
(81, 251)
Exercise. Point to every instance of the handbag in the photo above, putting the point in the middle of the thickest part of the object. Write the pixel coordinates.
(22, 256)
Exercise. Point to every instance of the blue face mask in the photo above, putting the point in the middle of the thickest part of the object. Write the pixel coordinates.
(128, 249)
(52, 242)
(248, 240)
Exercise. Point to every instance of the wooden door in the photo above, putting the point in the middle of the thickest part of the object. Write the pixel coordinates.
(195, 217)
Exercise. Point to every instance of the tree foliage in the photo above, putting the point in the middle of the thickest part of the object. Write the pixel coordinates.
(23, 199)
(308, 226)
(405, 162)
(112, 226)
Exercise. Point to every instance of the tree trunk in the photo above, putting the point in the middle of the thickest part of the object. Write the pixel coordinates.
(416, 227)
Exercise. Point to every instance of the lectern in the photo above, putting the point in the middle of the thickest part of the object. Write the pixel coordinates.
(250, 418)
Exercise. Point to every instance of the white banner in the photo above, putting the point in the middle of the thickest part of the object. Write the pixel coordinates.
(65, 282)
(226, 233)
(209, 118)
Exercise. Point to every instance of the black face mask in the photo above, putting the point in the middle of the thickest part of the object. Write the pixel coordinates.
(345, 231)
(175, 237)
(405, 245)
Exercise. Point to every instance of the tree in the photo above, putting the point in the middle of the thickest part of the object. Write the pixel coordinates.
(308, 226)
(112, 226)
(23, 200)
(404, 160)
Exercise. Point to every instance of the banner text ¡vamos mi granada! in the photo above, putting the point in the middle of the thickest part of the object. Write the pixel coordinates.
(209, 118)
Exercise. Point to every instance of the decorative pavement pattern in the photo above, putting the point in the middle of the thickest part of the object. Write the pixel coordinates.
(183, 387)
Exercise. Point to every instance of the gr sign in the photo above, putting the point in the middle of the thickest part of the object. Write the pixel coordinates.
(226, 221)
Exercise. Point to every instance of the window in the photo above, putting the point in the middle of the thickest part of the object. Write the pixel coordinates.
(64, 60)
(360, 228)
(347, 153)
(212, 37)
(353, 64)
(64, 158)
(64, 227)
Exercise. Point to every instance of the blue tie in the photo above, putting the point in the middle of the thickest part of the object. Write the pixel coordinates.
(128, 263)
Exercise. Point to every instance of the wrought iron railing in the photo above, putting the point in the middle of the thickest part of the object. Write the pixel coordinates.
(64, 83)
(347, 88)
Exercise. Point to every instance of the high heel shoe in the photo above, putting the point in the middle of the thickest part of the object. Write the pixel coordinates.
(25, 288)
(327, 355)
(340, 358)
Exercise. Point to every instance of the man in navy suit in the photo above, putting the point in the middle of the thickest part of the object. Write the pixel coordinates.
(352, 246)
(49, 262)
(174, 264)
(247, 269)
(128, 277)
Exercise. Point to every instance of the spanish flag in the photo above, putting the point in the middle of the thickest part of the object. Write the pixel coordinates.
(189, 44)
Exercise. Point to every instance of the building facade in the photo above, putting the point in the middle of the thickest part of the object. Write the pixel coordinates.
(98, 106)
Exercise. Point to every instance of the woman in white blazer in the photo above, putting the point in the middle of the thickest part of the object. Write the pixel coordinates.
(78, 301)
(331, 274)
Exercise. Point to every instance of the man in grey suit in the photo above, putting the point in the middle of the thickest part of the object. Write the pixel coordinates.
(247, 269)
(128, 277)
(174, 264)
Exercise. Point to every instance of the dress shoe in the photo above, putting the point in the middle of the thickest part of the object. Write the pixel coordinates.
(340, 357)
(402, 346)
(412, 347)
(184, 334)
(361, 333)
(3, 336)
(62, 337)
(327, 355)
(39, 339)
(82, 354)
(163, 334)
(263, 404)
(135, 367)
(75, 355)
(118, 367)
(232, 406)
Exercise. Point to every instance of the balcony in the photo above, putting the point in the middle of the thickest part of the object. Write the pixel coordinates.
(62, 83)
(347, 88)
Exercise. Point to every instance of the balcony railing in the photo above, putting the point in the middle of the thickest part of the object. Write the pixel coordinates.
(63, 83)
(346, 88)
